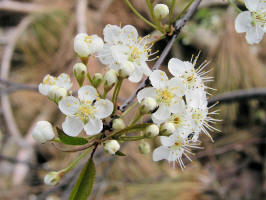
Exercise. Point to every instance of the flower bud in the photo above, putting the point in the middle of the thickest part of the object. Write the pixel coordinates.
(110, 79)
(126, 69)
(80, 71)
(56, 93)
(118, 124)
(148, 105)
(97, 79)
(144, 147)
(161, 11)
(43, 131)
(152, 131)
(52, 178)
(167, 129)
(111, 147)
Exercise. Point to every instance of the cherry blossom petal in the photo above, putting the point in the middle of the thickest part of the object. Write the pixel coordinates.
(63, 81)
(69, 105)
(163, 113)
(177, 67)
(136, 76)
(93, 126)
(72, 126)
(104, 108)
(87, 93)
(129, 33)
(252, 5)
(158, 79)
(167, 141)
(160, 153)
(254, 36)
(243, 22)
(111, 33)
(146, 92)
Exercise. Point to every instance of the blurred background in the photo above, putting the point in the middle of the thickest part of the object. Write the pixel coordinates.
(36, 38)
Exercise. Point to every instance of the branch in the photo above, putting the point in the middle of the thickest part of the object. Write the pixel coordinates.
(238, 95)
(81, 9)
(22, 7)
(10, 87)
(178, 26)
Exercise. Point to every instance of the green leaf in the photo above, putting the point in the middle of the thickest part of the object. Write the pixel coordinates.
(84, 184)
(70, 140)
(119, 153)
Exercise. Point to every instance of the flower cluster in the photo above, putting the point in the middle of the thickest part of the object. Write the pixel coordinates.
(177, 105)
(253, 21)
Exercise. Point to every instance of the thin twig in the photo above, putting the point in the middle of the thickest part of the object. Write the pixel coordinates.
(81, 10)
(178, 26)
(238, 95)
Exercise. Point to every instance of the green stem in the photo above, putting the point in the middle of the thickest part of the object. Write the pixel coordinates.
(172, 6)
(234, 6)
(136, 118)
(150, 6)
(128, 110)
(131, 138)
(56, 140)
(116, 92)
(140, 16)
(183, 11)
(75, 162)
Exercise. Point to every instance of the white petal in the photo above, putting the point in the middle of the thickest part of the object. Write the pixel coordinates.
(119, 53)
(72, 126)
(136, 76)
(87, 93)
(63, 81)
(93, 126)
(129, 34)
(158, 79)
(146, 92)
(177, 67)
(177, 105)
(145, 68)
(252, 5)
(97, 44)
(167, 141)
(254, 35)
(104, 108)
(176, 86)
(81, 48)
(44, 89)
(243, 22)
(162, 113)
(69, 105)
(105, 55)
(111, 33)
(160, 153)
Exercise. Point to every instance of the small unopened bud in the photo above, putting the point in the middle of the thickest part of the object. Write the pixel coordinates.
(111, 147)
(152, 131)
(110, 79)
(148, 105)
(126, 69)
(57, 93)
(167, 129)
(97, 79)
(118, 124)
(144, 147)
(161, 11)
(52, 178)
(80, 71)
(43, 131)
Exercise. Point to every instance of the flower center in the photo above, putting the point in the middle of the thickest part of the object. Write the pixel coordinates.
(259, 18)
(86, 111)
(164, 96)
(189, 79)
(135, 53)
(198, 116)
(88, 39)
(49, 81)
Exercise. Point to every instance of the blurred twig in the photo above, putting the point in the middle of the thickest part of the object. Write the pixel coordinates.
(81, 9)
(22, 7)
(178, 26)
(5, 68)
(238, 95)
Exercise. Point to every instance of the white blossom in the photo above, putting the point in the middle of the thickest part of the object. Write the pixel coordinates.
(62, 81)
(52, 178)
(253, 21)
(86, 111)
(152, 131)
(111, 146)
(85, 45)
(167, 93)
(173, 148)
(124, 45)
